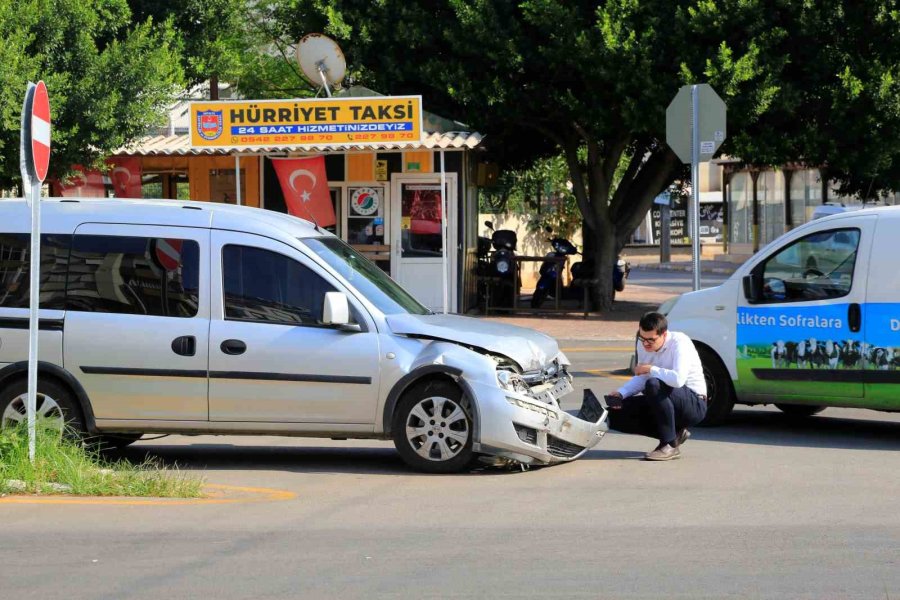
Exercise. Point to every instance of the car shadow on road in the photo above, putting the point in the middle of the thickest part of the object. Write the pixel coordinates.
(294, 459)
(770, 428)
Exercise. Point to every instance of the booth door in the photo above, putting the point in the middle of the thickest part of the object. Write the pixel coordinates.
(418, 244)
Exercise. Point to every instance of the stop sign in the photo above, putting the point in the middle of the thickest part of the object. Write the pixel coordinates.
(40, 131)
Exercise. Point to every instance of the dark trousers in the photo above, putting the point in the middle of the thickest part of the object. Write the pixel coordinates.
(659, 412)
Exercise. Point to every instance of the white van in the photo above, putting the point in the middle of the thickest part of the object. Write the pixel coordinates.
(812, 320)
(198, 318)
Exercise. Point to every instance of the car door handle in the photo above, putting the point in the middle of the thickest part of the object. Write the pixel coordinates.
(185, 345)
(854, 317)
(233, 347)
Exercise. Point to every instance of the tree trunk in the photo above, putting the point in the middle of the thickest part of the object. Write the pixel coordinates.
(603, 256)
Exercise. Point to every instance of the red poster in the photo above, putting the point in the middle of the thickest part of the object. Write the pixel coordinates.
(305, 187)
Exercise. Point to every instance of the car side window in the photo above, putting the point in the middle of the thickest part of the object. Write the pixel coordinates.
(267, 287)
(15, 270)
(134, 275)
(816, 267)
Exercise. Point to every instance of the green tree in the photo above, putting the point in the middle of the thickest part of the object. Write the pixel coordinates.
(814, 81)
(108, 79)
(231, 41)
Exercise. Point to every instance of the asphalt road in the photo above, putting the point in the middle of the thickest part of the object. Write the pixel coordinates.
(759, 508)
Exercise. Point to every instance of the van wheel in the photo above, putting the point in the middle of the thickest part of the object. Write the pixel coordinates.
(719, 391)
(799, 410)
(432, 428)
(55, 407)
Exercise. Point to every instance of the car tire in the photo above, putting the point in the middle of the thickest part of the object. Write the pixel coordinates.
(799, 410)
(432, 428)
(719, 390)
(54, 402)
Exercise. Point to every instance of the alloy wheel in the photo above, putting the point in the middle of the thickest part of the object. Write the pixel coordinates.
(437, 428)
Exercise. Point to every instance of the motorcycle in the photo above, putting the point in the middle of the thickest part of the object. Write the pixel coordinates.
(549, 272)
(499, 267)
(582, 272)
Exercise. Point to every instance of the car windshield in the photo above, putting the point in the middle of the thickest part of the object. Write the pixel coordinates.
(365, 276)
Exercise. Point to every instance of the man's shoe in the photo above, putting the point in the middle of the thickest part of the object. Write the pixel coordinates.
(683, 436)
(664, 452)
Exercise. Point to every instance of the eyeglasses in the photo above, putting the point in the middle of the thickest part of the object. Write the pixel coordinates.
(649, 341)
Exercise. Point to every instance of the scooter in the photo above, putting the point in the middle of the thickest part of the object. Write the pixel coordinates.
(500, 267)
(581, 272)
(549, 272)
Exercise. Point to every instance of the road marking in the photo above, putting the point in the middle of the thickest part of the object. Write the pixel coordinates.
(219, 496)
(604, 373)
(600, 349)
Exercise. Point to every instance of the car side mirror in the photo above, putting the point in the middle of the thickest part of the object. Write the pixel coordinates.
(335, 309)
(751, 288)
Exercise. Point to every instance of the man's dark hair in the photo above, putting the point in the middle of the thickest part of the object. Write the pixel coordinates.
(654, 321)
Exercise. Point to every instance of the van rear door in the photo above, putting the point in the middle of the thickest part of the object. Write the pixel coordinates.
(137, 321)
(802, 340)
(882, 319)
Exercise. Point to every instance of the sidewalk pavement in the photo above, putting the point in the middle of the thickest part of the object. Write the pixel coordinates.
(618, 325)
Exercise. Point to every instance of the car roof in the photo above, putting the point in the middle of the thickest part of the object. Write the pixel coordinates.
(63, 215)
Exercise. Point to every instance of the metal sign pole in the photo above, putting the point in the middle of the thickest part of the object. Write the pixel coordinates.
(33, 304)
(31, 190)
(695, 186)
(445, 237)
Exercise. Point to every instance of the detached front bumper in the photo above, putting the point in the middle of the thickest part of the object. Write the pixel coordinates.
(521, 428)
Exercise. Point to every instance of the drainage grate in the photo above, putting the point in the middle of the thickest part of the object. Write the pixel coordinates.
(526, 434)
(562, 448)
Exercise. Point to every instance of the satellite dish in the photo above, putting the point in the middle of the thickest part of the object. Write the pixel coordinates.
(321, 60)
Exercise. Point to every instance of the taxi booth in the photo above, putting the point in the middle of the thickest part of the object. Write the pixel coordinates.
(380, 161)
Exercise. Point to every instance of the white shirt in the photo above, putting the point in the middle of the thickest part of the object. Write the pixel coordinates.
(676, 364)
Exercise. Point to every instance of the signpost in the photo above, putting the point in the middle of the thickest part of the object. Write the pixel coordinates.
(33, 162)
(695, 128)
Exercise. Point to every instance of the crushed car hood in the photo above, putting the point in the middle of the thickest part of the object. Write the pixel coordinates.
(530, 349)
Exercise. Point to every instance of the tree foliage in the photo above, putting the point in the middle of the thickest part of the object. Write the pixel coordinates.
(108, 79)
(803, 81)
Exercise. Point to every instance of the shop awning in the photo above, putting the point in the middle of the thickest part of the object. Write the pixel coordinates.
(180, 145)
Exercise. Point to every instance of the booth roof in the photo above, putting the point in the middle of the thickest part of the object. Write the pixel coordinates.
(180, 145)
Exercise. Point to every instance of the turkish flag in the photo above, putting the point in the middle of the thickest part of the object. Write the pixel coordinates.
(84, 183)
(125, 174)
(305, 187)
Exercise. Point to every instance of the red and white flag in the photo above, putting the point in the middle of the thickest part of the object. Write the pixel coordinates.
(305, 187)
(125, 175)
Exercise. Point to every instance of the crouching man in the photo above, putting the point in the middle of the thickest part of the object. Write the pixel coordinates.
(667, 393)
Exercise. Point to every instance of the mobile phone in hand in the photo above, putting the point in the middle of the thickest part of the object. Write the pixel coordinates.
(613, 401)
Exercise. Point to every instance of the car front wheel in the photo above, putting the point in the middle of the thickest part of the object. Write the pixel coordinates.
(55, 407)
(432, 428)
(719, 393)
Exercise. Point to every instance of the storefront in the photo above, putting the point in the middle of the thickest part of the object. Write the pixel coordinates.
(386, 196)
(765, 203)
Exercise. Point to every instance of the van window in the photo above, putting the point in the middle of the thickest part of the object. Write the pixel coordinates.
(134, 275)
(817, 267)
(15, 268)
(268, 287)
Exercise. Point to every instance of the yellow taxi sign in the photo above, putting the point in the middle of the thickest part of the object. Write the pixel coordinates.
(369, 121)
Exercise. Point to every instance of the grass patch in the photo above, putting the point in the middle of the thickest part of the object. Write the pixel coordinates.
(65, 466)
